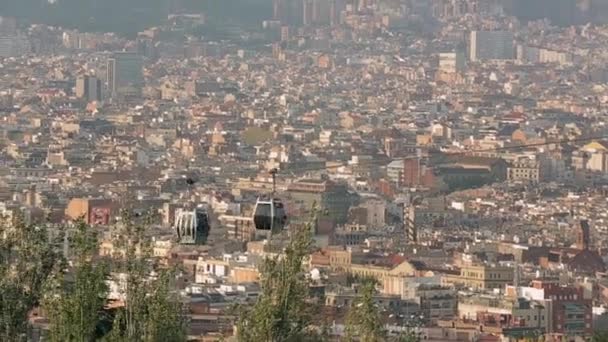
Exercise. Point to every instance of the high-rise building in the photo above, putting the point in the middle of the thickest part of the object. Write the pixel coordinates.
(335, 11)
(289, 12)
(124, 74)
(307, 12)
(363, 4)
(583, 238)
(277, 9)
(284, 33)
(89, 88)
(13, 45)
(491, 45)
(318, 12)
(411, 172)
(452, 62)
(411, 229)
(558, 12)
(331, 197)
(8, 26)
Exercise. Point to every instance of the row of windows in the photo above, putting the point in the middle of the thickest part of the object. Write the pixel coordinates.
(564, 297)
(588, 326)
(523, 174)
(478, 275)
(495, 276)
(542, 318)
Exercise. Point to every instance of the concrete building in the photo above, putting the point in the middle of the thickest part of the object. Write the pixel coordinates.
(452, 62)
(592, 157)
(124, 74)
(238, 228)
(13, 46)
(511, 311)
(345, 297)
(93, 211)
(526, 170)
(332, 197)
(482, 277)
(570, 313)
(491, 45)
(88, 88)
(436, 302)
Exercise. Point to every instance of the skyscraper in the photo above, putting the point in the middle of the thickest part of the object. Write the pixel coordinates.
(411, 229)
(491, 45)
(8, 26)
(89, 88)
(289, 12)
(307, 12)
(335, 11)
(452, 62)
(582, 236)
(12, 44)
(278, 8)
(124, 74)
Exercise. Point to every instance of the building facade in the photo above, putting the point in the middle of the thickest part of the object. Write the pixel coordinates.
(482, 277)
(124, 74)
(491, 45)
(88, 88)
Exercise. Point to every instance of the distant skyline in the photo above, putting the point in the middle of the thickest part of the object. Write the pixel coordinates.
(131, 16)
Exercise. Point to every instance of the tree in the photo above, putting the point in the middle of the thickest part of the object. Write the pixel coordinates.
(284, 310)
(27, 257)
(151, 312)
(600, 336)
(408, 336)
(165, 321)
(364, 322)
(75, 301)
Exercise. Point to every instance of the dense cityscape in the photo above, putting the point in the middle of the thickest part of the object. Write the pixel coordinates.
(304, 170)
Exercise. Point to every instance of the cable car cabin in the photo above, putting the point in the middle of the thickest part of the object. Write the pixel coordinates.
(192, 226)
(269, 215)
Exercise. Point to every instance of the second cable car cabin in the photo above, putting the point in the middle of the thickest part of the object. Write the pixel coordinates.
(192, 226)
(269, 215)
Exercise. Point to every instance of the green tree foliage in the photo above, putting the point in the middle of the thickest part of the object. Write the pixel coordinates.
(284, 310)
(408, 336)
(165, 321)
(27, 257)
(151, 312)
(75, 301)
(364, 322)
(600, 336)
